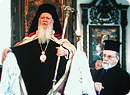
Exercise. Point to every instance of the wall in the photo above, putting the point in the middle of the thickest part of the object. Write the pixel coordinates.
(79, 29)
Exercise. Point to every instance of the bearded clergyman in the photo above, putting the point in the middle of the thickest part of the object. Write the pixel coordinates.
(29, 67)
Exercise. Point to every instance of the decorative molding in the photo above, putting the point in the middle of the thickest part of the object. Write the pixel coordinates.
(104, 12)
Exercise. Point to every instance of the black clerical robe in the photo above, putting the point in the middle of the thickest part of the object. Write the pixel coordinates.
(114, 80)
(37, 76)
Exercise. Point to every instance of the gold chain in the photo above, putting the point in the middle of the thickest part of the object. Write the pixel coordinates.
(45, 47)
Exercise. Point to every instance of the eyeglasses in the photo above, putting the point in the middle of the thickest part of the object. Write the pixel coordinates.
(108, 56)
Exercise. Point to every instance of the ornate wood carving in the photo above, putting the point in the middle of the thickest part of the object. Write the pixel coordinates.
(104, 12)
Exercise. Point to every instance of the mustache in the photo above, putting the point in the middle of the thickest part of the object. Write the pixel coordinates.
(105, 62)
(44, 22)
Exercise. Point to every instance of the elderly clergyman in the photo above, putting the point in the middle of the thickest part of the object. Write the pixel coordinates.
(30, 65)
(112, 79)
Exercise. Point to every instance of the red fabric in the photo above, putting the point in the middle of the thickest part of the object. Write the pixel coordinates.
(31, 34)
(58, 36)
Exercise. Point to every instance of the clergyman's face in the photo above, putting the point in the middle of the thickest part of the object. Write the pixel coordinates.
(45, 27)
(109, 57)
(45, 19)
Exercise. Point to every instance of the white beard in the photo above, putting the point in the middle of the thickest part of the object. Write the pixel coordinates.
(44, 34)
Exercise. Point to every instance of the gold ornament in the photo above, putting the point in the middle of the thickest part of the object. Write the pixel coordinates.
(43, 57)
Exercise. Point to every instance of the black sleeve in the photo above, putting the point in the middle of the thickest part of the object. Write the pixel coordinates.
(125, 87)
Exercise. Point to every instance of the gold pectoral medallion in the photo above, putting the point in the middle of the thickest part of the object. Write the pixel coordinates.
(43, 57)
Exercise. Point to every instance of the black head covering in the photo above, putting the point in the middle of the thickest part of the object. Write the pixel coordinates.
(112, 45)
(49, 9)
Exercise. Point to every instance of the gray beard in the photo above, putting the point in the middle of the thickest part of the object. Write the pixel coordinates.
(44, 34)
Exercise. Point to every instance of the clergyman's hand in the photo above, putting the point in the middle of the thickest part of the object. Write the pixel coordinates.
(98, 86)
(4, 54)
(61, 51)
